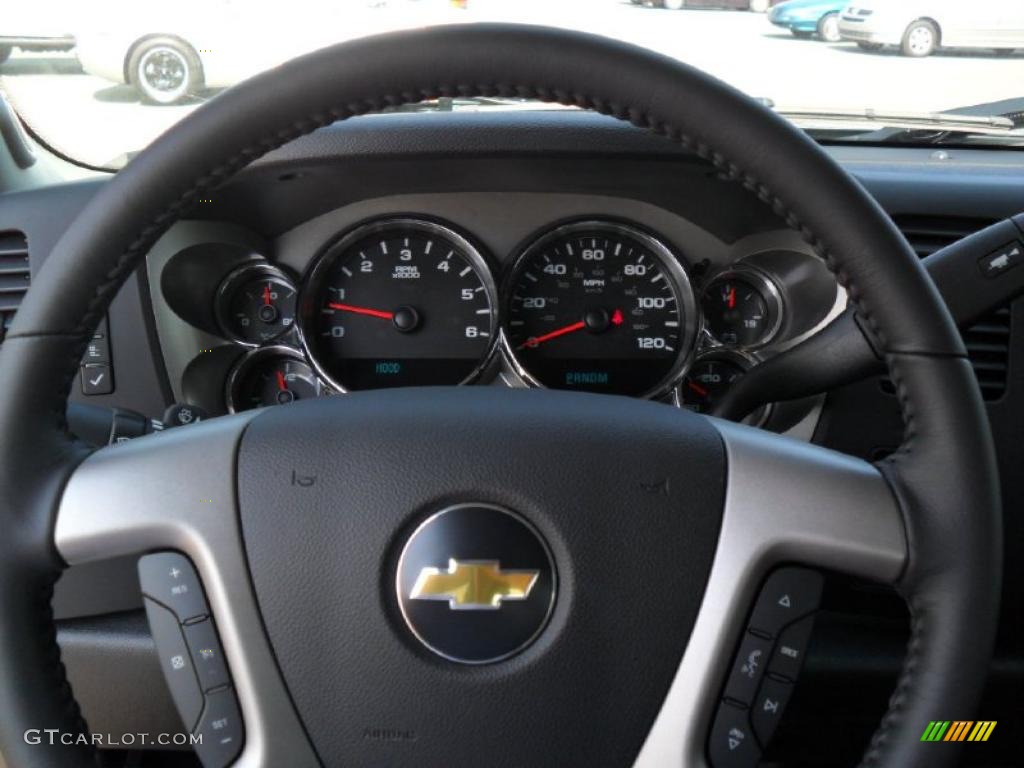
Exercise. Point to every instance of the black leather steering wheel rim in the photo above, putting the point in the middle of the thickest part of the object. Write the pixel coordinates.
(944, 473)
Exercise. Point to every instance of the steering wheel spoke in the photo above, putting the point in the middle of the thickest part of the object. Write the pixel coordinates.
(786, 502)
(176, 491)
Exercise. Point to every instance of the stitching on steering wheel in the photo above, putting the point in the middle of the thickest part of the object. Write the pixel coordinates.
(149, 234)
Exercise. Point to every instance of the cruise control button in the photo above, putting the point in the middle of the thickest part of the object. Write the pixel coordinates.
(175, 662)
(768, 708)
(748, 668)
(220, 730)
(169, 578)
(732, 742)
(791, 649)
(201, 638)
(789, 594)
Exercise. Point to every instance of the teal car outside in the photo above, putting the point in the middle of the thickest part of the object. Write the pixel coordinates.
(806, 18)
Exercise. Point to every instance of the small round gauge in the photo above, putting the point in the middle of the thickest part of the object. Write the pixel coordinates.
(399, 302)
(710, 378)
(271, 376)
(256, 304)
(599, 306)
(742, 308)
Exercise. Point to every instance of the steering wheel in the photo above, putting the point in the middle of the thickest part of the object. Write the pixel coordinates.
(657, 526)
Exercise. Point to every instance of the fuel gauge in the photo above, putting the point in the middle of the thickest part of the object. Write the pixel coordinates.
(256, 304)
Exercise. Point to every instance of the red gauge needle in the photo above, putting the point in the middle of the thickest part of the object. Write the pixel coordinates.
(697, 388)
(362, 311)
(536, 341)
(281, 384)
(732, 298)
(267, 299)
(617, 318)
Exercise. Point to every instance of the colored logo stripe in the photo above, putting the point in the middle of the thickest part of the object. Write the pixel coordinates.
(982, 730)
(958, 730)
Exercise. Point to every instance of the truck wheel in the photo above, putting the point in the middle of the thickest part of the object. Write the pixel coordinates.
(164, 70)
(828, 28)
(920, 40)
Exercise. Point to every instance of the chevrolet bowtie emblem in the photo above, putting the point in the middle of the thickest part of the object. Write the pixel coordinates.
(473, 585)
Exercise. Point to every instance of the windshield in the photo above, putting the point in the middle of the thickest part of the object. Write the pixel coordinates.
(100, 80)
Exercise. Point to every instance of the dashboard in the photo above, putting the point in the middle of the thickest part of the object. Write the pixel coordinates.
(599, 258)
(566, 291)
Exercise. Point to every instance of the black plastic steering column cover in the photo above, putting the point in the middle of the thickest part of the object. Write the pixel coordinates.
(944, 472)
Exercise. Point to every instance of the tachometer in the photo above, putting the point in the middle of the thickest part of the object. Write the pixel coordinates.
(600, 307)
(397, 303)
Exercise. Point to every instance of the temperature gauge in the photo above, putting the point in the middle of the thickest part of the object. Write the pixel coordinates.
(710, 378)
(271, 376)
(256, 304)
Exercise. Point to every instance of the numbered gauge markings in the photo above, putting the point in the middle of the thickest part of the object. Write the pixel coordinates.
(600, 307)
(742, 308)
(256, 304)
(274, 375)
(400, 302)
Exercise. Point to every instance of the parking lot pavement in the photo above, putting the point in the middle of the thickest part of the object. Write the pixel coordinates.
(97, 121)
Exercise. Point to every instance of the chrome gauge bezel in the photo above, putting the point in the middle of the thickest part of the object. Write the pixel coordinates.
(247, 361)
(232, 281)
(312, 283)
(744, 360)
(768, 288)
(673, 266)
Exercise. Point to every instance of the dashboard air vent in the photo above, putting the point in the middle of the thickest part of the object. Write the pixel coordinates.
(14, 276)
(988, 341)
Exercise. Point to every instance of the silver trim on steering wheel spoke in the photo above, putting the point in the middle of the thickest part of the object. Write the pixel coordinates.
(176, 491)
(786, 502)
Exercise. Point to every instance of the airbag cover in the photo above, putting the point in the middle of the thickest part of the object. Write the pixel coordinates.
(627, 495)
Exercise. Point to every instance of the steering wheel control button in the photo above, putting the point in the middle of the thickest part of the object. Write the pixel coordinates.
(732, 743)
(170, 579)
(220, 728)
(176, 662)
(788, 594)
(768, 708)
(1002, 260)
(791, 648)
(203, 643)
(748, 668)
(475, 583)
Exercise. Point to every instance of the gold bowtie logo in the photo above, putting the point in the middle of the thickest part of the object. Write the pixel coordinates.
(473, 585)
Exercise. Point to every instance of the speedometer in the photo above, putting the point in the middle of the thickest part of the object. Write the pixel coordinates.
(399, 302)
(600, 307)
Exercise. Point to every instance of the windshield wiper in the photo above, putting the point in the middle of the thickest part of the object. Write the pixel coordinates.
(881, 125)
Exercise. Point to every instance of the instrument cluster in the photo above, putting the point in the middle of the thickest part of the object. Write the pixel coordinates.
(593, 305)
